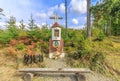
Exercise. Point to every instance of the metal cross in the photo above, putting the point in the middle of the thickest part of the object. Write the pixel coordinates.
(55, 17)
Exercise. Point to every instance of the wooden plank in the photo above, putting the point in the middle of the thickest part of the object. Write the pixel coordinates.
(56, 70)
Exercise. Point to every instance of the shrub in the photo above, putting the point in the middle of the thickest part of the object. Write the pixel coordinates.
(45, 48)
(5, 37)
(12, 51)
(98, 57)
(22, 34)
(13, 42)
(20, 46)
(97, 62)
(95, 32)
(101, 36)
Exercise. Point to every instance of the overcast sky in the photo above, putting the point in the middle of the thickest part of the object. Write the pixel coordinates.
(43, 9)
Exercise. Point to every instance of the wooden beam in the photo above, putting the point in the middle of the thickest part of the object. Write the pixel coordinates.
(56, 70)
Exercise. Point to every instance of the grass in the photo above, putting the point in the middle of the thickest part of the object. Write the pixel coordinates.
(9, 66)
(110, 48)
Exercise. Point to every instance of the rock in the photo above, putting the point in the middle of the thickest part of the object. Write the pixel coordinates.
(28, 77)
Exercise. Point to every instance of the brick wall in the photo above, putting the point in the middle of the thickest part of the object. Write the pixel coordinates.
(53, 48)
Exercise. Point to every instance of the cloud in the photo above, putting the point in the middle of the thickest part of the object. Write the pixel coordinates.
(62, 7)
(45, 14)
(41, 15)
(51, 10)
(74, 21)
(43, 24)
(78, 6)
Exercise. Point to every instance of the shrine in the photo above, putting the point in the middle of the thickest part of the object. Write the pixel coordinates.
(56, 43)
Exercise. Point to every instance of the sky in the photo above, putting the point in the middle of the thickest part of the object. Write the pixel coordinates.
(43, 9)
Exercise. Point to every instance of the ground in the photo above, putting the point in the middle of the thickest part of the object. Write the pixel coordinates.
(9, 66)
(8, 70)
(61, 63)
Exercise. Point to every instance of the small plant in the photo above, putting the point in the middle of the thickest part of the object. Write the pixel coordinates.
(97, 63)
(98, 57)
(100, 36)
(20, 46)
(12, 51)
(13, 42)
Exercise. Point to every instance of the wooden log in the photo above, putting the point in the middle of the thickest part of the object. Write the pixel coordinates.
(56, 70)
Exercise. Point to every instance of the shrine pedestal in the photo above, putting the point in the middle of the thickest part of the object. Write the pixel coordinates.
(56, 55)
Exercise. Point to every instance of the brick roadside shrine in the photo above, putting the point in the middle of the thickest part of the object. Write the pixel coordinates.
(56, 43)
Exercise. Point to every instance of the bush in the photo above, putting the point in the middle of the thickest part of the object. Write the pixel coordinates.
(97, 62)
(45, 48)
(20, 46)
(98, 57)
(101, 36)
(95, 32)
(11, 51)
(22, 34)
(5, 37)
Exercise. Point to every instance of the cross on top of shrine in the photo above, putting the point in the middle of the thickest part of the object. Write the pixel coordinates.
(55, 17)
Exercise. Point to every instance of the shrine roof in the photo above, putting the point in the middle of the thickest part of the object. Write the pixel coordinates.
(56, 25)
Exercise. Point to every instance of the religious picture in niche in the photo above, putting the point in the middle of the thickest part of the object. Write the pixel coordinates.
(56, 43)
(56, 33)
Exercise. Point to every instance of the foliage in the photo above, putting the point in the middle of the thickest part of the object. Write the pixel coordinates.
(20, 46)
(100, 36)
(97, 63)
(5, 37)
(106, 16)
(22, 26)
(12, 31)
(31, 23)
(45, 48)
(95, 31)
(11, 51)
(22, 34)
(45, 34)
(12, 28)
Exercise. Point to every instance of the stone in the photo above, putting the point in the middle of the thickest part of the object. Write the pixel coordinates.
(28, 77)
(80, 77)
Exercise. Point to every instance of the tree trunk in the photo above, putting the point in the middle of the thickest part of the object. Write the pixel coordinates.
(88, 19)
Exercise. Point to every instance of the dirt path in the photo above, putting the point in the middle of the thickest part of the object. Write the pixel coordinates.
(61, 63)
(58, 63)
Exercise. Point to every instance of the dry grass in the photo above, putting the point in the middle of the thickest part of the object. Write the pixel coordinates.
(113, 57)
(9, 66)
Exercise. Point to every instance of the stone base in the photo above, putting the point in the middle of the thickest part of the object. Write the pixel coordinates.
(56, 55)
(28, 77)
